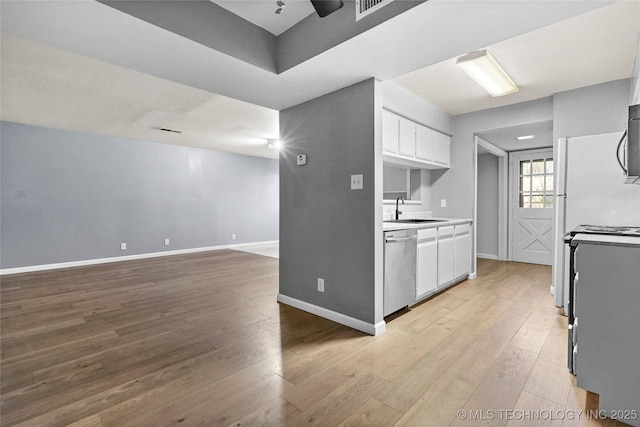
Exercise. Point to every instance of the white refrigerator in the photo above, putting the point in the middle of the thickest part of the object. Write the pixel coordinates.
(589, 189)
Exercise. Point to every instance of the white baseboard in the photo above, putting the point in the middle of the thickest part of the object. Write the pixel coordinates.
(487, 256)
(360, 325)
(82, 263)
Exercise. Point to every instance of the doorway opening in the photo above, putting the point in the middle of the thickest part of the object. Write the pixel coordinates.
(491, 207)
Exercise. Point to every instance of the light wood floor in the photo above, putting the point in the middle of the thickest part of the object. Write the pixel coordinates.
(199, 340)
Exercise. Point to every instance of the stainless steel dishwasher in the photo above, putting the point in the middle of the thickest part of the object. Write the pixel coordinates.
(399, 269)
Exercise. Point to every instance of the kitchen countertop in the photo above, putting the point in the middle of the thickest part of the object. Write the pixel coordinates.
(442, 222)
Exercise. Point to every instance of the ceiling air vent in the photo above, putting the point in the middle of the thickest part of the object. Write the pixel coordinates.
(365, 7)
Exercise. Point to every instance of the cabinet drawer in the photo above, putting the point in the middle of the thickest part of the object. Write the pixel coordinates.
(445, 231)
(462, 229)
(427, 233)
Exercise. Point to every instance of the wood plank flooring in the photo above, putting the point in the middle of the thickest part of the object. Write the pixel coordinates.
(199, 340)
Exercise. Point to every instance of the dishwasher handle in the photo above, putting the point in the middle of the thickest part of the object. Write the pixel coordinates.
(400, 239)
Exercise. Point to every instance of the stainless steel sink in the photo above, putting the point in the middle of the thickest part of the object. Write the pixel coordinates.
(414, 220)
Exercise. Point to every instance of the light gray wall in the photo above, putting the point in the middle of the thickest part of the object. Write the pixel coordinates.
(634, 90)
(70, 196)
(456, 185)
(487, 220)
(592, 110)
(586, 111)
(328, 230)
(409, 105)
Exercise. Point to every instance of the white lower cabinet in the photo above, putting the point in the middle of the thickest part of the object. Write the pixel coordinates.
(462, 239)
(427, 263)
(443, 258)
(446, 256)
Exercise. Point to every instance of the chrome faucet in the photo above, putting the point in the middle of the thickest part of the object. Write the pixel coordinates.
(397, 211)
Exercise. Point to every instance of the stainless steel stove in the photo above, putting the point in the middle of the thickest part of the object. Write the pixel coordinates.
(610, 230)
(613, 230)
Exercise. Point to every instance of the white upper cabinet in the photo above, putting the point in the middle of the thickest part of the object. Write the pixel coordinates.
(425, 143)
(443, 147)
(407, 143)
(390, 129)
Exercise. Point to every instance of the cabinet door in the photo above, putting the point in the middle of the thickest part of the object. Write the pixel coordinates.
(427, 264)
(407, 140)
(390, 129)
(425, 143)
(446, 256)
(442, 148)
(462, 249)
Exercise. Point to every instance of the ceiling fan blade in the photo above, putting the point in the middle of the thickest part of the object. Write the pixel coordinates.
(326, 7)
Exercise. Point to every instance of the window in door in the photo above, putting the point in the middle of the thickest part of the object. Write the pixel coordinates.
(536, 183)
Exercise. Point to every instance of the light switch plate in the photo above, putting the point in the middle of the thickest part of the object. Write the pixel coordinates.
(443, 203)
(301, 159)
(356, 182)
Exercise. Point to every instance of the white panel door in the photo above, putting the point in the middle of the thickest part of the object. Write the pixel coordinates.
(532, 207)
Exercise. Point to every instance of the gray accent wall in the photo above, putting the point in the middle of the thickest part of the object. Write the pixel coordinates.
(487, 219)
(208, 24)
(71, 196)
(328, 230)
(314, 35)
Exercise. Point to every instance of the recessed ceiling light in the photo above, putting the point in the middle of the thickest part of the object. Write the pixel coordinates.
(524, 137)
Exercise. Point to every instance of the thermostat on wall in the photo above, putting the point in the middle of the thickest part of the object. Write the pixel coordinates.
(301, 159)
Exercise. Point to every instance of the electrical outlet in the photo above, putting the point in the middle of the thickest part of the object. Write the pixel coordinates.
(320, 285)
(123, 246)
(167, 242)
(233, 236)
(356, 182)
(443, 203)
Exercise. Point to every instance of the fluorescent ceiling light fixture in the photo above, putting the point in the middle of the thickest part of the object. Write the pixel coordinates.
(524, 137)
(485, 70)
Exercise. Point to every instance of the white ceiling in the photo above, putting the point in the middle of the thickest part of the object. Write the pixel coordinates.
(506, 138)
(51, 87)
(64, 66)
(595, 47)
